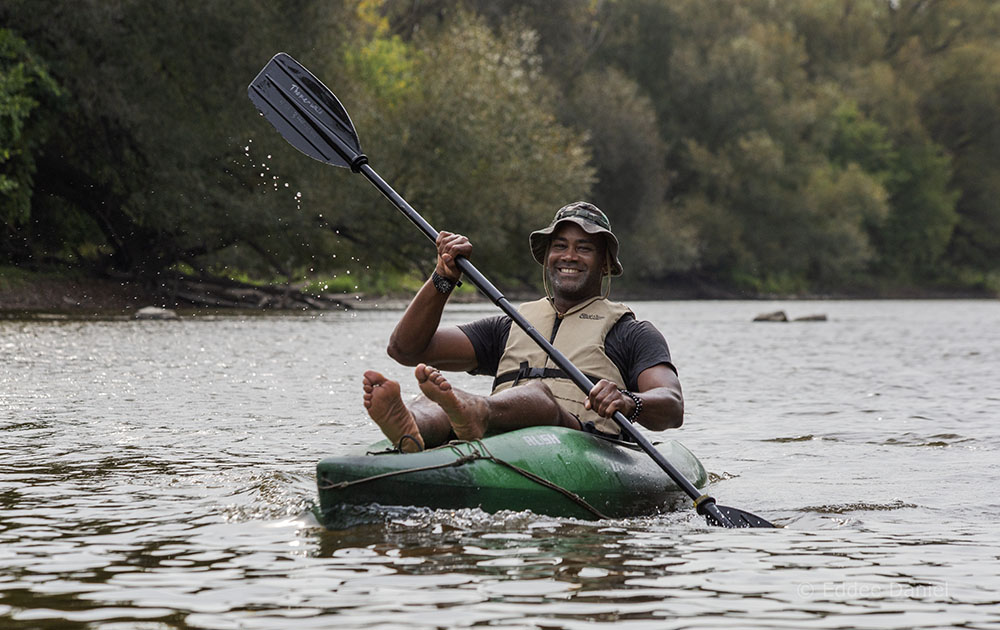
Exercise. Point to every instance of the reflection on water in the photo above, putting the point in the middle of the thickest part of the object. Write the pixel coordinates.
(159, 475)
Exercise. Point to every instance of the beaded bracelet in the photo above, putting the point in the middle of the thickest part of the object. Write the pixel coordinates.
(638, 405)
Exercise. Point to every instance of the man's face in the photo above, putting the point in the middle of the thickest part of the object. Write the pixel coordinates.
(575, 262)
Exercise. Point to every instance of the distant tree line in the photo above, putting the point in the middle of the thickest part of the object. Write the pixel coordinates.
(757, 145)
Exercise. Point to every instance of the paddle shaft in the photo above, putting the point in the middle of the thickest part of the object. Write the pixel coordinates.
(578, 377)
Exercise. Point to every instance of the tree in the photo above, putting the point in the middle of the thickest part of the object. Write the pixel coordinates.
(474, 145)
(624, 137)
(148, 159)
(760, 144)
(25, 87)
(960, 108)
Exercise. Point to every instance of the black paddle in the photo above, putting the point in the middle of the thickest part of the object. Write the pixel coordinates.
(307, 114)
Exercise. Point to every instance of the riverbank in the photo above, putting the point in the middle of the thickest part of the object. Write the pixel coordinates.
(51, 292)
(60, 292)
(26, 291)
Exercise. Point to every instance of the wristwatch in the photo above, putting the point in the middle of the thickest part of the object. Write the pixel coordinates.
(444, 285)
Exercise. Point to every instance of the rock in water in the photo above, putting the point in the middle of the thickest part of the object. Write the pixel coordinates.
(777, 316)
(155, 312)
(811, 318)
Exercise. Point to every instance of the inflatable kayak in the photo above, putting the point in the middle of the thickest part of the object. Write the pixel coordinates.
(549, 470)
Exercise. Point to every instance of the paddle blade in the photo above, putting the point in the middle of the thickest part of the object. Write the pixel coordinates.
(305, 112)
(739, 518)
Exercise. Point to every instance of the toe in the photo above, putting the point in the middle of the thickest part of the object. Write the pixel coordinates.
(420, 372)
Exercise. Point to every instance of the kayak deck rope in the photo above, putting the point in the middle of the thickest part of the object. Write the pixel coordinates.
(479, 452)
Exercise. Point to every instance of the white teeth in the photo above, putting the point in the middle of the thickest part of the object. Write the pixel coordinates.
(569, 271)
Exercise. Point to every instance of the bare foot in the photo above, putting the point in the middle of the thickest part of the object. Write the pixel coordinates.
(466, 412)
(385, 406)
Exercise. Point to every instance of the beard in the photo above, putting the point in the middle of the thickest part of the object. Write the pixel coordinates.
(574, 287)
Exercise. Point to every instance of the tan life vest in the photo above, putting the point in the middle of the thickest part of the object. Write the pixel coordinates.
(580, 338)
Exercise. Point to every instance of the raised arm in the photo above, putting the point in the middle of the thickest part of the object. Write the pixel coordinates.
(418, 337)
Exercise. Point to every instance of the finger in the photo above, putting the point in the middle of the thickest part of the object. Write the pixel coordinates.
(451, 243)
(457, 243)
(615, 405)
(611, 401)
(450, 237)
(607, 407)
(597, 394)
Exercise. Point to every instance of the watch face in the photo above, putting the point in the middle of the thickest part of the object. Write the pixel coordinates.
(442, 284)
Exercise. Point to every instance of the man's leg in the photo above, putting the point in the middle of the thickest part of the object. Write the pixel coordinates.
(430, 420)
(471, 415)
(424, 421)
(385, 406)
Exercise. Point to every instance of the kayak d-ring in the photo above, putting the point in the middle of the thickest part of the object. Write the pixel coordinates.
(407, 436)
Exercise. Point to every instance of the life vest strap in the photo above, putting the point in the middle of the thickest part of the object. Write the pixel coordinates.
(527, 372)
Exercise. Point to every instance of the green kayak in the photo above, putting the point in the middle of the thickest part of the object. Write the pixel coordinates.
(548, 470)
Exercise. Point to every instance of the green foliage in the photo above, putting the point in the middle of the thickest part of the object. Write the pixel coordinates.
(372, 281)
(775, 146)
(25, 86)
(961, 111)
(914, 232)
(622, 130)
(841, 204)
(861, 141)
(799, 153)
(474, 146)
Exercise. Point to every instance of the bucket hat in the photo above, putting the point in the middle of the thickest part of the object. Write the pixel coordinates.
(590, 218)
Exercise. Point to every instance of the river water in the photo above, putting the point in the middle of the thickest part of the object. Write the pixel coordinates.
(159, 475)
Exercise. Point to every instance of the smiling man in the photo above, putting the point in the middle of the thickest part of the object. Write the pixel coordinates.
(627, 359)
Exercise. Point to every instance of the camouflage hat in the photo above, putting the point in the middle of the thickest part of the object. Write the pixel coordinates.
(587, 216)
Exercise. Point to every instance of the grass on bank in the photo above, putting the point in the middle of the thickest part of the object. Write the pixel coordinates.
(12, 277)
(366, 281)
